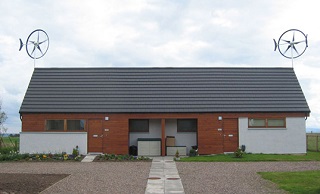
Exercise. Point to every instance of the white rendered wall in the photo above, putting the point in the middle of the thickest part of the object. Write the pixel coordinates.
(154, 132)
(289, 140)
(53, 142)
(182, 138)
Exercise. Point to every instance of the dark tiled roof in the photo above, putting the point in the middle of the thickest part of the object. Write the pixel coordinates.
(163, 90)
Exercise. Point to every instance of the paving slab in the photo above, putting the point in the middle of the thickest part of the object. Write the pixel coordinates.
(164, 177)
(89, 158)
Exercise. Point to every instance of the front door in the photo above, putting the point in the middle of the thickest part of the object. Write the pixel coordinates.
(230, 135)
(95, 136)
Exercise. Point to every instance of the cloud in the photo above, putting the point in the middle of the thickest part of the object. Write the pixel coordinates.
(155, 34)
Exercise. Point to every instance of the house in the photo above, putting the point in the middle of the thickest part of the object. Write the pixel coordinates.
(107, 110)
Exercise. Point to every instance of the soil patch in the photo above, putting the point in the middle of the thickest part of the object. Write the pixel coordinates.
(27, 183)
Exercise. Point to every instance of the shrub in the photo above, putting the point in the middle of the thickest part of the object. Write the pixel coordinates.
(177, 155)
(16, 156)
(192, 153)
(7, 150)
(114, 157)
(75, 152)
(238, 153)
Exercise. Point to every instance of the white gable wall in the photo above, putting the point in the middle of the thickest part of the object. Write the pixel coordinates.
(289, 140)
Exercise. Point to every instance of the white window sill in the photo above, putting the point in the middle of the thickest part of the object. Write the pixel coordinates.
(267, 128)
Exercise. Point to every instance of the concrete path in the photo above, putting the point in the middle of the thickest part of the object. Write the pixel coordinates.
(164, 177)
(88, 158)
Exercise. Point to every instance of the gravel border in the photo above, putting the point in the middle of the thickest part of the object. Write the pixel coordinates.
(131, 177)
(95, 177)
(234, 177)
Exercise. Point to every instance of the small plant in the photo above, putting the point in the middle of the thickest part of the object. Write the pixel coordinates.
(112, 156)
(119, 158)
(75, 152)
(65, 156)
(77, 158)
(192, 153)
(16, 156)
(7, 150)
(238, 153)
(177, 155)
(142, 158)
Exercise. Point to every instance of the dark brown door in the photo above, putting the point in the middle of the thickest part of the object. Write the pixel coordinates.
(95, 136)
(230, 135)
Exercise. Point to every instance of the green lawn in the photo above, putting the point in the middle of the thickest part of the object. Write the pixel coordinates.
(310, 156)
(295, 182)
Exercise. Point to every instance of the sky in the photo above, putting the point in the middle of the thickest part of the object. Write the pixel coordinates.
(199, 33)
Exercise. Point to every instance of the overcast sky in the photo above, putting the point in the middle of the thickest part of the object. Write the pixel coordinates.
(156, 34)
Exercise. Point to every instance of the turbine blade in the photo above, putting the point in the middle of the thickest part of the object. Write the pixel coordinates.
(34, 48)
(287, 41)
(299, 42)
(284, 44)
(293, 37)
(38, 47)
(43, 41)
(287, 49)
(294, 48)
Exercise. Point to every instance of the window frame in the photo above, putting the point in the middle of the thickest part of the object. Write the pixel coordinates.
(65, 125)
(266, 122)
(139, 131)
(179, 130)
(46, 125)
(84, 124)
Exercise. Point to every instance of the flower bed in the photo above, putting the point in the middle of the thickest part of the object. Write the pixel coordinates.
(119, 158)
(16, 156)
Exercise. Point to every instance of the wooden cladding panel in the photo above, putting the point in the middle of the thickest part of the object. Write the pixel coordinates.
(95, 135)
(231, 135)
(117, 137)
(116, 129)
(209, 139)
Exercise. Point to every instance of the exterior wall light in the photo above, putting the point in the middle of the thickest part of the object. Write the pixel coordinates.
(220, 118)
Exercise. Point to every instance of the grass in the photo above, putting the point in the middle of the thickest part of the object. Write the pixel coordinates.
(9, 144)
(295, 182)
(310, 156)
(10, 141)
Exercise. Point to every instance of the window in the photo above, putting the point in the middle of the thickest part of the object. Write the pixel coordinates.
(75, 125)
(187, 125)
(276, 123)
(257, 123)
(55, 125)
(267, 123)
(64, 125)
(138, 125)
